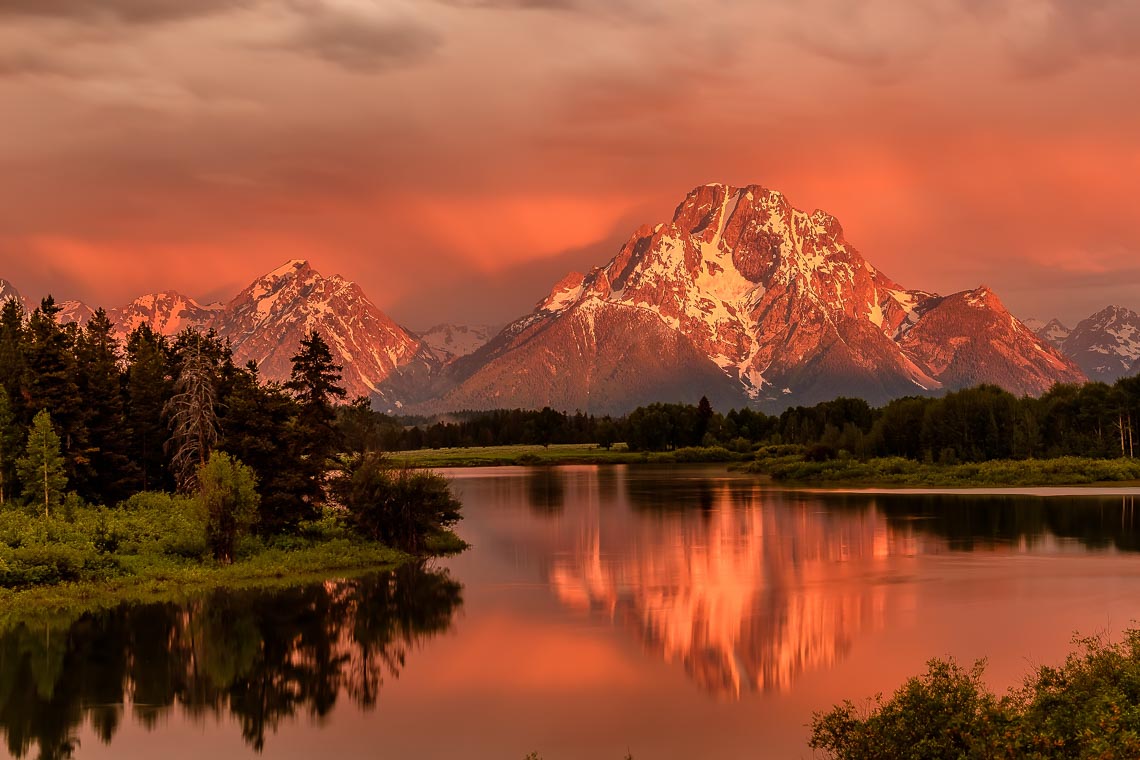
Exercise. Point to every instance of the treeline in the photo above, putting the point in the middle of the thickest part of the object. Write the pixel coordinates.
(85, 420)
(972, 425)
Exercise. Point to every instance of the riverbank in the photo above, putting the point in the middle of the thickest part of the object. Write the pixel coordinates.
(898, 472)
(154, 548)
(557, 454)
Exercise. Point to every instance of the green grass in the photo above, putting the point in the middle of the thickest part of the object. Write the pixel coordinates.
(555, 454)
(153, 547)
(896, 471)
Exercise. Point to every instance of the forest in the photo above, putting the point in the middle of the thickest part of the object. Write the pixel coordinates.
(163, 452)
(979, 424)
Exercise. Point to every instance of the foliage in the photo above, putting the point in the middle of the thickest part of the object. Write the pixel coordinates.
(227, 491)
(41, 469)
(11, 439)
(799, 468)
(193, 417)
(400, 507)
(315, 385)
(1089, 707)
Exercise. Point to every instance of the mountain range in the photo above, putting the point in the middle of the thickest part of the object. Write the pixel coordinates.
(739, 296)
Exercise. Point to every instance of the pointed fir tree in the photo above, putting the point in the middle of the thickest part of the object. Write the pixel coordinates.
(193, 416)
(315, 384)
(50, 383)
(101, 383)
(13, 356)
(148, 388)
(41, 469)
(10, 439)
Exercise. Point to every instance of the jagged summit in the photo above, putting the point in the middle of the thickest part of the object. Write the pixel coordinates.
(773, 298)
(1107, 344)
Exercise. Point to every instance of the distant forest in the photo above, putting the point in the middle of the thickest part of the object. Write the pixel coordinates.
(972, 425)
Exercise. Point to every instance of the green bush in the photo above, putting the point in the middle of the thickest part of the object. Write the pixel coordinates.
(1087, 708)
(400, 507)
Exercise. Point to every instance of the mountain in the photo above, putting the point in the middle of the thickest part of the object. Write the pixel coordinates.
(167, 313)
(742, 297)
(1053, 332)
(8, 290)
(1107, 344)
(449, 341)
(267, 320)
(74, 311)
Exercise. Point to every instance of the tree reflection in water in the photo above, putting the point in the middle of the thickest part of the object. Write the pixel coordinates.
(260, 656)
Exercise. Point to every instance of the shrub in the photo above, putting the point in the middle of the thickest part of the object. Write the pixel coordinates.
(400, 507)
(227, 491)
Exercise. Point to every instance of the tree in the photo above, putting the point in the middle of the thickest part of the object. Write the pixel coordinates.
(399, 507)
(10, 440)
(148, 388)
(50, 383)
(101, 382)
(41, 469)
(193, 418)
(314, 383)
(258, 427)
(227, 490)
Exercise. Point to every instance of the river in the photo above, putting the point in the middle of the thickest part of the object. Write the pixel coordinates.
(670, 612)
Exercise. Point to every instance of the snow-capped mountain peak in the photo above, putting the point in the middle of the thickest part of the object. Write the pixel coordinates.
(1107, 344)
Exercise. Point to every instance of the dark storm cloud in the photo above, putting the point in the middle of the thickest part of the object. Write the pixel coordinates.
(360, 41)
(127, 11)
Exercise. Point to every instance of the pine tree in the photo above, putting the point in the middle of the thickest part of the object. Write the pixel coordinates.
(259, 428)
(41, 469)
(13, 355)
(10, 439)
(314, 383)
(50, 383)
(193, 418)
(148, 388)
(101, 383)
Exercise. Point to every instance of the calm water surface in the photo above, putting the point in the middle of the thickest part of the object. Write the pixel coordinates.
(673, 612)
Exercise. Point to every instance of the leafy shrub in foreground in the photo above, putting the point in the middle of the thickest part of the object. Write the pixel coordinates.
(400, 507)
(1089, 707)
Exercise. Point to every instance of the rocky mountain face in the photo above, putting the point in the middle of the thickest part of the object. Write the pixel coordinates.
(449, 342)
(167, 313)
(268, 319)
(744, 298)
(739, 297)
(1107, 344)
(8, 290)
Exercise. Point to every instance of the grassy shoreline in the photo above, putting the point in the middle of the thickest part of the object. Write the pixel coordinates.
(149, 579)
(793, 469)
(901, 473)
(557, 454)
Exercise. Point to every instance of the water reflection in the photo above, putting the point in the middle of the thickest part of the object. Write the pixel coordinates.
(259, 657)
(747, 588)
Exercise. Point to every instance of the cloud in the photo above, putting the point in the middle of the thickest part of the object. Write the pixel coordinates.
(124, 11)
(360, 37)
(1051, 36)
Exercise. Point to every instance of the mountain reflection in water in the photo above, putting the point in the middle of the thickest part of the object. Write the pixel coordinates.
(749, 587)
(258, 656)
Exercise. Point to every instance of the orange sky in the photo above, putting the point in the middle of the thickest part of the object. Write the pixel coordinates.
(457, 157)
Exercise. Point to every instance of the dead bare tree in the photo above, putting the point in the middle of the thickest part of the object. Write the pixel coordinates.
(193, 418)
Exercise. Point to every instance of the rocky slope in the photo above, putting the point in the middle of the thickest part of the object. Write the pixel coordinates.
(741, 286)
(167, 313)
(1107, 344)
(449, 342)
(268, 319)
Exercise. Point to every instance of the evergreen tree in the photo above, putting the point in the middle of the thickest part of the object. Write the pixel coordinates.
(50, 383)
(193, 418)
(148, 388)
(259, 428)
(13, 356)
(41, 469)
(10, 439)
(314, 383)
(101, 383)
